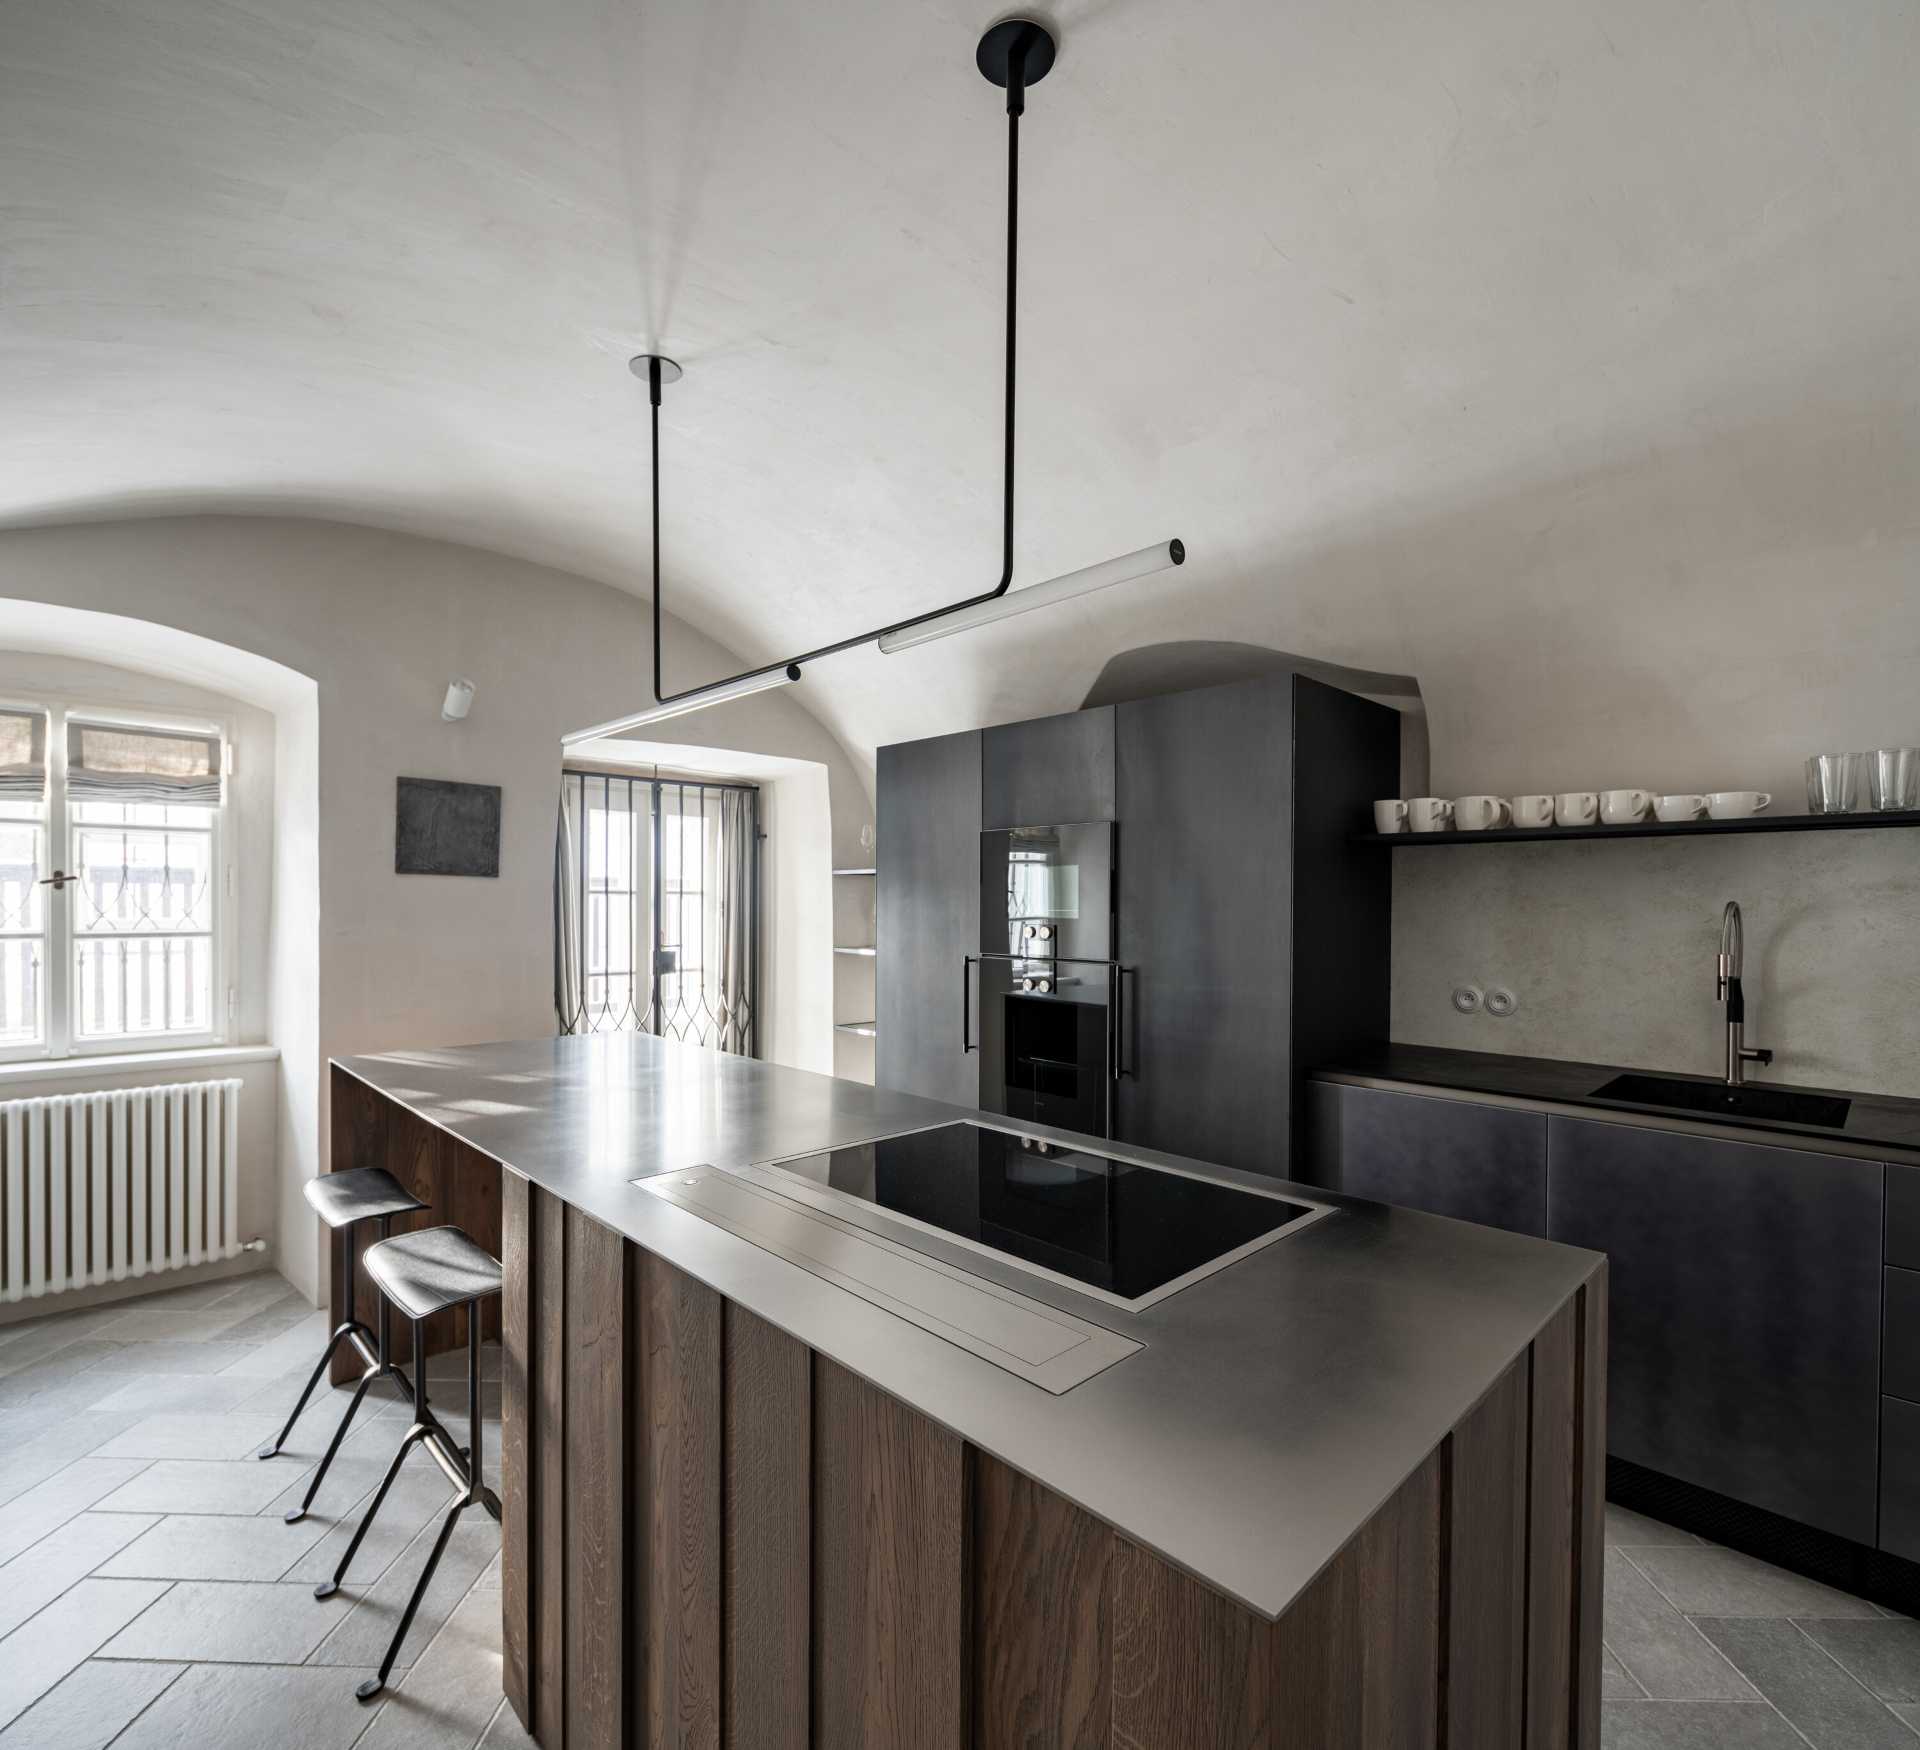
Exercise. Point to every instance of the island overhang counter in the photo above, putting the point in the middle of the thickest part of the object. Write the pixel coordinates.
(1347, 1492)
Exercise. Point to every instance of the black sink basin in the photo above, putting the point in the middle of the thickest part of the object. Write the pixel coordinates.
(1717, 1100)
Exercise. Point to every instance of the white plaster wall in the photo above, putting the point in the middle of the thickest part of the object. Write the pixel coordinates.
(796, 968)
(1610, 948)
(380, 622)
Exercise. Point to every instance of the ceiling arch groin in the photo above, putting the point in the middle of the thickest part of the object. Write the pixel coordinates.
(1567, 361)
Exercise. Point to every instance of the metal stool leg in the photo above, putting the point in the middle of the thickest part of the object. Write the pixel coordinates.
(477, 1495)
(326, 1357)
(408, 1441)
(294, 1515)
(422, 1427)
(373, 1685)
(377, 1367)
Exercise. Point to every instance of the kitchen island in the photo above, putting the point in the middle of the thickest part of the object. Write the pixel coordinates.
(1343, 1492)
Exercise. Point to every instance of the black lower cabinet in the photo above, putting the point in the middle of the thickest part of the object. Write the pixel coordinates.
(1900, 1478)
(1449, 1157)
(1900, 1336)
(1744, 1296)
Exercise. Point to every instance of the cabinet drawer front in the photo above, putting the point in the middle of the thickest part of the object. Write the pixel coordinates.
(1745, 1311)
(1903, 1215)
(1900, 1336)
(1448, 1157)
(1900, 1478)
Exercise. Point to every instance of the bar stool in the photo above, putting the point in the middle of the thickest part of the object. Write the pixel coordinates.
(423, 1273)
(344, 1200)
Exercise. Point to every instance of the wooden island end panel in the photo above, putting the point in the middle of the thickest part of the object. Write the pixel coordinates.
(460, 1186)
(716, 1537)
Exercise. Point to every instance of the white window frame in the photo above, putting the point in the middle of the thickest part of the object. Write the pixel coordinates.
(62, 940)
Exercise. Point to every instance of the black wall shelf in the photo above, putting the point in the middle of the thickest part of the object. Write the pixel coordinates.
(1645, 829)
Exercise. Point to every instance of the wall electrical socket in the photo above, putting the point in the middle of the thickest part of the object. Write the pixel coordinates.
(1501, 1003)
(1467, 999)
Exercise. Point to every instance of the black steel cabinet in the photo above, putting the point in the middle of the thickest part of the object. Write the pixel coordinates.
(1903, 1215)
(1449, 1157)
(928, 914)
(1744, 1339)
(1204, 793)
(1900, 1478)
(1900, 1336)
(1048, 772)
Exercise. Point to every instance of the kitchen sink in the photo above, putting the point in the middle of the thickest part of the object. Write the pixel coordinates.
(1718, 1100)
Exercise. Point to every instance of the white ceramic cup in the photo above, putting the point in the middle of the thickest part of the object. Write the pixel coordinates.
(1429, 814)
(1736, 804)
(1679, 807)
(1477, 813)
(1533, 811)
(1624, 807)
(1390, 815)
(1575, 808)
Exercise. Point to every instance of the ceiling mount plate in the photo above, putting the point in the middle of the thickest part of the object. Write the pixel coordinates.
(669, 371)
(991, 56)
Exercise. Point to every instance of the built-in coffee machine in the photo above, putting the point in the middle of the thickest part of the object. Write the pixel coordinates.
(1045, 983)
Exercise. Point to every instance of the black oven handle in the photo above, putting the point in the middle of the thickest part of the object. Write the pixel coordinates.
(966, 1002)
(1126, 1027)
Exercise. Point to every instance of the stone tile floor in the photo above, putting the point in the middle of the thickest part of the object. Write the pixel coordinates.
(1708, 1648)
(150, 1594)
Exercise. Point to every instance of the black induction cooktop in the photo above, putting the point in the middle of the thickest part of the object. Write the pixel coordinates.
(1111, 1224)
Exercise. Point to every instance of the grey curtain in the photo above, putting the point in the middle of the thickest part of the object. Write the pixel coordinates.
(569, 980)
(730, 953)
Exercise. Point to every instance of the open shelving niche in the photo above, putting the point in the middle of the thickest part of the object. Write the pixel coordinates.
(846, 953)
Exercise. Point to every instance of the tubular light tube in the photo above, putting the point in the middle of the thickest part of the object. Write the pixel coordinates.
(1041, 595)
(720, 695)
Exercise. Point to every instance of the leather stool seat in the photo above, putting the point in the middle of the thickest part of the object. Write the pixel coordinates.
(427, 1271)
(359, 1194)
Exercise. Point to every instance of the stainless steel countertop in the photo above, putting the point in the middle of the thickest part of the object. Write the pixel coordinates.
(1275, 1406)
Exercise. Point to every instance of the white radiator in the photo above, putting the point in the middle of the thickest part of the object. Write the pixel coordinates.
(101, 1187)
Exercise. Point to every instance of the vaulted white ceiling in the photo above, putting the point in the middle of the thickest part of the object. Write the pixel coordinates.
(1565, 356)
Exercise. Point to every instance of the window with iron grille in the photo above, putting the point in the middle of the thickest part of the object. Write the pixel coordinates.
(113, 890)
(656, 891)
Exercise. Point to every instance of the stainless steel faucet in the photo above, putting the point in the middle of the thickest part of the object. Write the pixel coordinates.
(1727, 989)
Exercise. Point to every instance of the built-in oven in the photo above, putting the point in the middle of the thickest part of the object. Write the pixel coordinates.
(1042, 997)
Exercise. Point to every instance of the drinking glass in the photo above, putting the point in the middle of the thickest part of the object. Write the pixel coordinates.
(1833, 782)
(1893, 777)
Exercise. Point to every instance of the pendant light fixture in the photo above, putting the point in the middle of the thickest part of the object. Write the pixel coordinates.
(1016, 54)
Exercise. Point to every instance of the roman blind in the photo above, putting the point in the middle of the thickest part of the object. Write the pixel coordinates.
(116, 762)
(23, 754)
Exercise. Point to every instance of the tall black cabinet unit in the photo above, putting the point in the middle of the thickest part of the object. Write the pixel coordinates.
(928, 915)
(1253, 935)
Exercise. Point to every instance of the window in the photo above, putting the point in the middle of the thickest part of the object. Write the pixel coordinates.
(656, 900)
(112, 883)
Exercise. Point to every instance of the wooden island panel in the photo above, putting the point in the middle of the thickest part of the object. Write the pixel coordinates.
(460, 1186)
(763, 1550)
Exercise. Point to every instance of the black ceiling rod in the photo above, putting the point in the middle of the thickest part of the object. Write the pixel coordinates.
(1016, 53)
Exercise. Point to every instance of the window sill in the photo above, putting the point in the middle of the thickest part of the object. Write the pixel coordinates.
(62, 1069)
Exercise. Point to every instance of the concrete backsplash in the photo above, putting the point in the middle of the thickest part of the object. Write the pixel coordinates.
(1610, 950)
